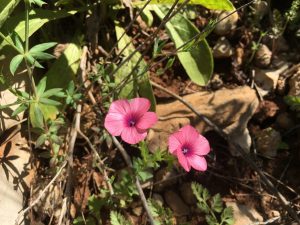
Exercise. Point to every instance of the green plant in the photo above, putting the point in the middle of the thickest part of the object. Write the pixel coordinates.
(162, 216)
(117, 219)
(212, 206)
(293, 102)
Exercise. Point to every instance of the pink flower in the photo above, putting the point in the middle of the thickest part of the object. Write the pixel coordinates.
(190, 147)
(130, 119)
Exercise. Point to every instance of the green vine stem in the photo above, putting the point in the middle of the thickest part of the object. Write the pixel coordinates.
(29, 70)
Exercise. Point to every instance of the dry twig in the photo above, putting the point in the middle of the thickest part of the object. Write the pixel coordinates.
(23, 212)
(102, 165)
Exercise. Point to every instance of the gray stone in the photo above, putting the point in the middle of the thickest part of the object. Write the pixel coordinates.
(267, 142)
(222, 48)
(226, 25)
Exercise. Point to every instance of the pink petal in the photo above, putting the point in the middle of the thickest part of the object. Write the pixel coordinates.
(183, 160)
(119, 106)
(114, 123)
(197, 162)
(132, 136)
(139, 105)
(201, 146)
(147, 120)
(174, 142)
(188, 134)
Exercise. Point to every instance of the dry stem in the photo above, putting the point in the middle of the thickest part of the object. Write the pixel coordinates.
(137, 182)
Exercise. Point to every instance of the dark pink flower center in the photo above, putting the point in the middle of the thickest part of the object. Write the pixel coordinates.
(131, 123)
(131, 120)
(185, 149)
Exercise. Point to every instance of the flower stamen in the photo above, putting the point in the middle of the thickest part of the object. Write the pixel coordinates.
(131, 123)
(185, 150)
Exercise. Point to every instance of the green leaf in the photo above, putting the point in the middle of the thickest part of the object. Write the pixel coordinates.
(139, 80)
(40, 3)
(37, 18)
(217, 204)
(211, 220)
(48, 101)
(117, 219)
(41, 86)
(42, 47)
(33, 61)
(64, 69)
(6, 7)
(41, 140)
(210, 4)
(227, 216)
(36, 115)
(198, 61)
(42, 55)
(49, 111)
(15, 63)
(20, 109)
(147, 17)
(53, 92)
(18, 42)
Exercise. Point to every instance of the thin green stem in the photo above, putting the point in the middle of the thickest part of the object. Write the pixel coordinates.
(29, 70)
(27, 8)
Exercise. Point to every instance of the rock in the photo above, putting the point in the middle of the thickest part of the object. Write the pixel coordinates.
(263, 56)
(284, 121)
(226, 25)
(176, 204)
(14, 177)
(187, 193)
(244, 214)
(260, 9)
(279, 44)
(267, 142)
(230, 109)
(222, 48)
(274, 213)
(266, 80)
(294, 84)
(164, 178)
(216, 82)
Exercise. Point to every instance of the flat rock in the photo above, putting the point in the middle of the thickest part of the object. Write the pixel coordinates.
(266, 80)
(187, 193)
(244, 214)
(230, 109)
(14, 179)
(176, 204)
